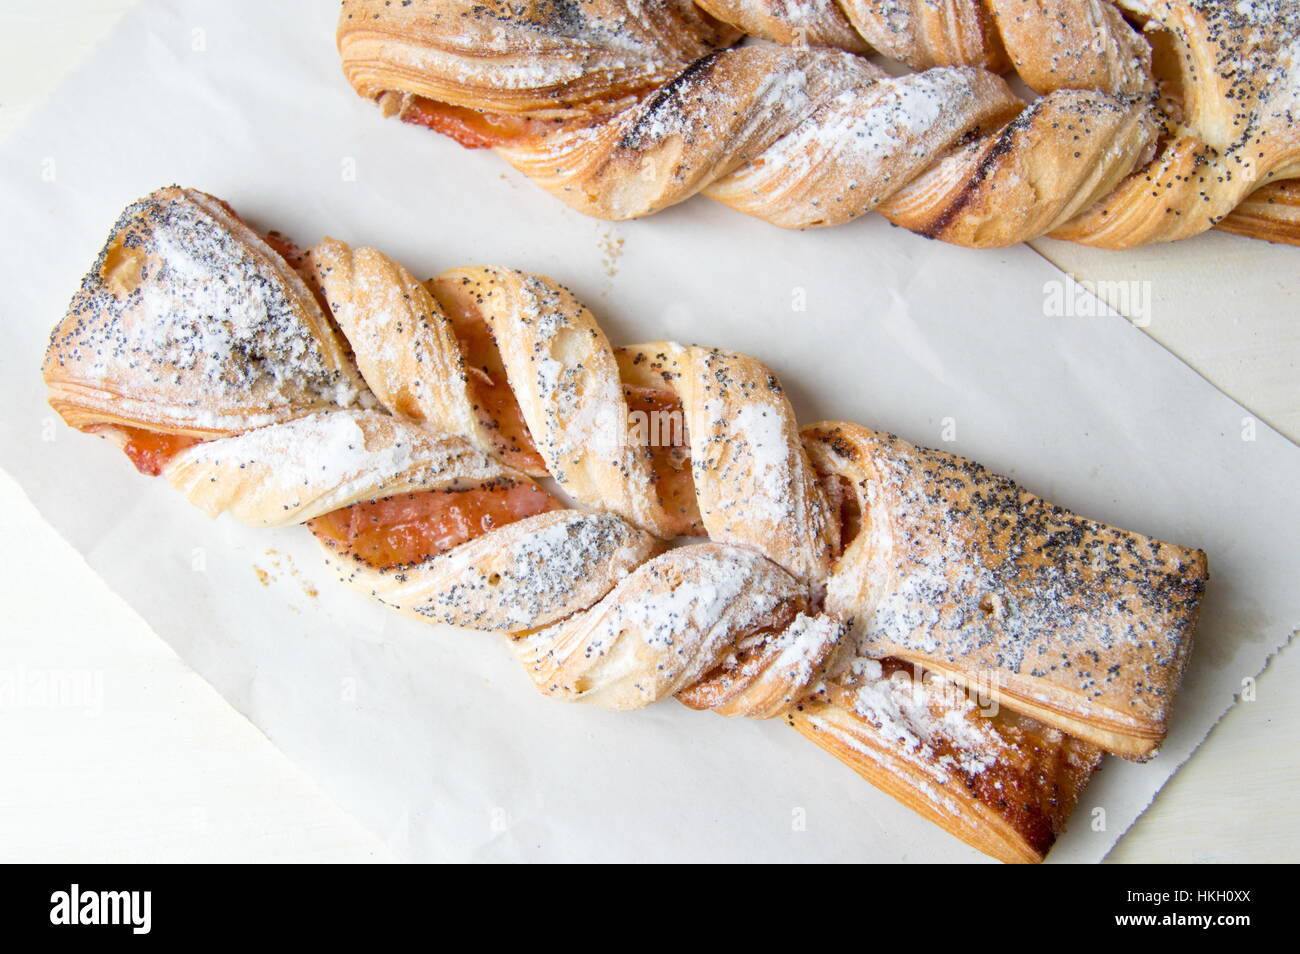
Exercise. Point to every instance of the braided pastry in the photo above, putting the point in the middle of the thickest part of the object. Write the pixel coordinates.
(1154, 119)
(472, 451)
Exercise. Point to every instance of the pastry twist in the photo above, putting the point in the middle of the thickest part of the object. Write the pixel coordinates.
(472, 451)
(1148, 128)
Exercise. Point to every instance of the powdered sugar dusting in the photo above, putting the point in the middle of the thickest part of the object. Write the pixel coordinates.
(291, 472)
(214, 329)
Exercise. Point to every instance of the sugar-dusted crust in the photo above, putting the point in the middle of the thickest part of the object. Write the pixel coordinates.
(403, 343)
(189, 323)
(1157, 118)
(875, 134)
(810, 23)
(525, 575)
(563, 374)
(705, 619)
(1083, 626)
(753, 483)
(288, 473)
(1003, 783)
(1058, 158)
(563, 59)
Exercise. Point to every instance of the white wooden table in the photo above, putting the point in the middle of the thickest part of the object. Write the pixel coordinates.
(181, 776)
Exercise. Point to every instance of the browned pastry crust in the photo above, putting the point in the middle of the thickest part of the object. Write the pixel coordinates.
(1083, 626)
(190, 323)
(920, 33)
(1040, 171)
(1156, 119)
(584, 58)
(829, 555)
(1000, 782)
(1271, 213)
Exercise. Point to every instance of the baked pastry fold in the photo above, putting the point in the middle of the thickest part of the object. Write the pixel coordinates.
(683, 620)
(189, 323)
(563, 59)
(1001, 782)
(1083, 626)
(288, 473)
(403, 343)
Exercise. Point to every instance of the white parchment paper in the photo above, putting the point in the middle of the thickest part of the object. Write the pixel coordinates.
(434, 737)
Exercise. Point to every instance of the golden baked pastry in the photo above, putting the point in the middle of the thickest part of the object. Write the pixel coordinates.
(1083, 626)
(1151, 120)
(496, 464)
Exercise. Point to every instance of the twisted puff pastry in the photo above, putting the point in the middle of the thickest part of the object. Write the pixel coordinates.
(1152, 124)
(882, 598)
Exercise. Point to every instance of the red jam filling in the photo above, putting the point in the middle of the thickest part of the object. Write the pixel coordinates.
(469, 127)
(658, 422)
(489, 389)
(402, 530)
(150, 450)
(844, 504)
